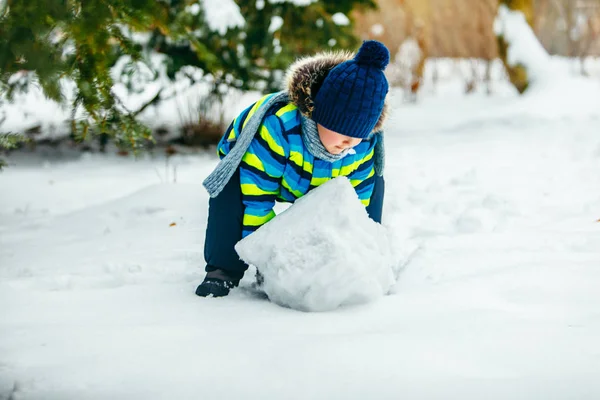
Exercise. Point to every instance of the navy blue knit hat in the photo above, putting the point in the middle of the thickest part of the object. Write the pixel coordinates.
(352, 96)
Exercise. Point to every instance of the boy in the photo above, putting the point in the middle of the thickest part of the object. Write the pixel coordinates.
(326, 124)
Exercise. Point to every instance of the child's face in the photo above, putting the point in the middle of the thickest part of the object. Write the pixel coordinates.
(334, 142)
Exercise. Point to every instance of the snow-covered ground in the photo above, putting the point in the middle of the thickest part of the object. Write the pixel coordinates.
(495, 202)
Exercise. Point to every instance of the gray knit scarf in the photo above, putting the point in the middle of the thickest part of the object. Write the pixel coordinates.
(217, 180)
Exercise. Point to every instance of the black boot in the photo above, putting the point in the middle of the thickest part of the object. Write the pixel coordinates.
(216, 284)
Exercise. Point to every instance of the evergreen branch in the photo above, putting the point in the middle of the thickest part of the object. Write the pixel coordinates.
(120, 102)
(83, 40)
(11, 140)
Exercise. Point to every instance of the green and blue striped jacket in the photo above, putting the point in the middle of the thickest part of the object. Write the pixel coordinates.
(278, 167)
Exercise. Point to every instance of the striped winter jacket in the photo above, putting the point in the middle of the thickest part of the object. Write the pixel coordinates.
(277, 165)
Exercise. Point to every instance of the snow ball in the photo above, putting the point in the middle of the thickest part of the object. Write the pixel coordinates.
(322, 252)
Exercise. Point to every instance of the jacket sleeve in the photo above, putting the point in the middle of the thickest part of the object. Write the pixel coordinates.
(261, 171)
(363, 177)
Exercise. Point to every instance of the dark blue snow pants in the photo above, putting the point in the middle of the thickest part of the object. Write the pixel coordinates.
(224, 227)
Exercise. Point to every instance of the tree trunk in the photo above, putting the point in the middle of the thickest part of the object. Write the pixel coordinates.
(525, 6)
(516, 73)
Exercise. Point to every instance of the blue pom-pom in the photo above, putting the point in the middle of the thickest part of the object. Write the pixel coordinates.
(373, 53)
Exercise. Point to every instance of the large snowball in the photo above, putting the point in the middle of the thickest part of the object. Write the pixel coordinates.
(323, 252)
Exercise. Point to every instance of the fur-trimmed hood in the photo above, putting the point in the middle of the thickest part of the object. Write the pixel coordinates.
(305, 76)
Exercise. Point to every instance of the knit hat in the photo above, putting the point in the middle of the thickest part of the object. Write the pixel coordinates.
(352, 96)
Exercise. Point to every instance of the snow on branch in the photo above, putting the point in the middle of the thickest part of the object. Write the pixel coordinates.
(222, 15)
(523, 46)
